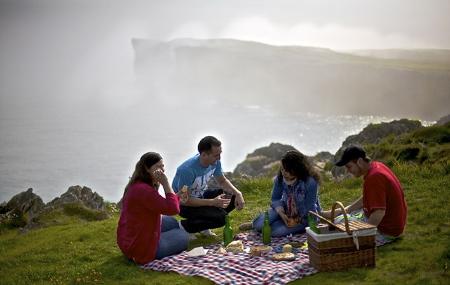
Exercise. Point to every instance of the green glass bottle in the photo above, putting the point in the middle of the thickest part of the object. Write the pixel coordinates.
(266, 230)
(227, 232)
(312, 223)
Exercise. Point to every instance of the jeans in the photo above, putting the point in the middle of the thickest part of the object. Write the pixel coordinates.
(205, 217)
(173, 240)
(277, 224)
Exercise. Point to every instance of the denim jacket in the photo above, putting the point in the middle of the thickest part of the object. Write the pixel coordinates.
(305, 193)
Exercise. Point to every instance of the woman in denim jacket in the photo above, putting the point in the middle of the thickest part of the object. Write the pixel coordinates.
(294, 194)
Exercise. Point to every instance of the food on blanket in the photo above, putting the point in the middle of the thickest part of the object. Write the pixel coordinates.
(285, 256)
(258, 250)
(296, 244)
(221, 250)
(292, 222)
(235, 246)
(287, 248)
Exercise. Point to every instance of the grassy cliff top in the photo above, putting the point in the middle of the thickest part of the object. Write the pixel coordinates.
(85, 252)
(75, 248)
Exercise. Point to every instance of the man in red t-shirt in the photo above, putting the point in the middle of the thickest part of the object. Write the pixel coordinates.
(382, 200)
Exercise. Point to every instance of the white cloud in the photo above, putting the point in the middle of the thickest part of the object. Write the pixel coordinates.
(332, 36)
(191, 30)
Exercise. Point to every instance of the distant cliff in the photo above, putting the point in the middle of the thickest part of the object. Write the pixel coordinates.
(397, 83)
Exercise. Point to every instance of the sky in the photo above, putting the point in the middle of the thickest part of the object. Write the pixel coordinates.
(62, 52)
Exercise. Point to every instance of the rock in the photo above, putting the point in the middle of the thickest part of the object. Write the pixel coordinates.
(444, 120)
(323, 156)
(3, 208)
(262, 161)
(82, 195)
(373, 134)
(26, 203)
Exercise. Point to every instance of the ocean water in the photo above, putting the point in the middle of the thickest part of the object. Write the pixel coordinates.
(51, 153)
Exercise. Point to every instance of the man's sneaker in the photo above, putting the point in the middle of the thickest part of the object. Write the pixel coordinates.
(192, 236)
(208, 233)
(246, 226)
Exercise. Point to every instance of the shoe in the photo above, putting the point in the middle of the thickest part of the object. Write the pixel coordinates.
(246, 226)
(208, 233)
(192, 236)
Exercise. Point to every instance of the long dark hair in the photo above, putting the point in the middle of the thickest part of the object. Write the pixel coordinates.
(298, 164)
(140, 172)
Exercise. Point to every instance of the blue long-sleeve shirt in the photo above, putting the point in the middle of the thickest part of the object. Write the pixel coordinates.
(305, 196)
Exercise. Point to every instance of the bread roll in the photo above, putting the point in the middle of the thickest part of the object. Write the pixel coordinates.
(285, 256)
(235, 246)
(258, 250)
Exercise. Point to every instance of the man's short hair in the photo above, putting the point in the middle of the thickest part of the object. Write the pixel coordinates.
(207, 143)
(351, 153)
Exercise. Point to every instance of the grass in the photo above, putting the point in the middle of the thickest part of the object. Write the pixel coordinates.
(78, 251)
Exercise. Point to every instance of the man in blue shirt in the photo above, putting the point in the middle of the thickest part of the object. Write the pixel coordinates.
(206, 208)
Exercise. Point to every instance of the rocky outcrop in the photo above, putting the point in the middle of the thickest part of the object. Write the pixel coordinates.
(26, 209)
(444, 120)
(22, 209)
(27, 203)
(323, 156)
(262, 161)
(81, 195)
(373, 134)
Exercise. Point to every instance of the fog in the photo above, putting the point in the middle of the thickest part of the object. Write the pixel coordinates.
(59, 54)
(72, 106)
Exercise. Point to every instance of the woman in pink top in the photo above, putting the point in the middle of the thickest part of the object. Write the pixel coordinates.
(144, 233)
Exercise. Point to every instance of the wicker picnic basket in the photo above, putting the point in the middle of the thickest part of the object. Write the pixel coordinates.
(350, 244)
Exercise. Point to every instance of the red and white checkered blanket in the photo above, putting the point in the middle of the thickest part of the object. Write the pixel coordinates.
(241, 268)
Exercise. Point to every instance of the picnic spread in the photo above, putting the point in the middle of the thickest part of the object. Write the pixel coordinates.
(246, 260)
(243, 267)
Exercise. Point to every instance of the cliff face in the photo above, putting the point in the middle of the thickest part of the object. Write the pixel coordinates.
(307, 79)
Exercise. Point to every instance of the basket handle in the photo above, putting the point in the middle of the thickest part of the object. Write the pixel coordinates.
(330, 223)
(337, 203)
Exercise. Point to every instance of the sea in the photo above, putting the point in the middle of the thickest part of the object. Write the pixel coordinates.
(51, 153)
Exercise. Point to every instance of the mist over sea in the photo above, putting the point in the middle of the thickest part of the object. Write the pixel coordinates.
(99, 150)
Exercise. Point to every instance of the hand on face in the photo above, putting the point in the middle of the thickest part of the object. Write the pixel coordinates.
(157, 173)
(159, 176)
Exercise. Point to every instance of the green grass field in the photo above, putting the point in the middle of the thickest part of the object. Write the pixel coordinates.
(84, 252)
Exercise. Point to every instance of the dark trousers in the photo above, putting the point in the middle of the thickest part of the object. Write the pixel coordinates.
(205, 217)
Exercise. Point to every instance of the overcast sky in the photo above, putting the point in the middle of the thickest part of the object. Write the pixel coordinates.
(75, 47)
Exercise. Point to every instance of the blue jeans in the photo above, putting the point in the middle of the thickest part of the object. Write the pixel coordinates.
(279, 228)
(173, 240)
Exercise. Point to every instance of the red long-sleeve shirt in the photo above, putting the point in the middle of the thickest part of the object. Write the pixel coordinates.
(139, 226)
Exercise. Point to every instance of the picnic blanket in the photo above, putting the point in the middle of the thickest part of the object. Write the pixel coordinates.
(241, 268)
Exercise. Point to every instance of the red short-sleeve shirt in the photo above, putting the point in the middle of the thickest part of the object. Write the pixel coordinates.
(382, 190)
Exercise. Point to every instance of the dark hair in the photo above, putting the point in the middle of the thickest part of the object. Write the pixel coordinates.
(140, 172)
(352, 153)
(298, 164)
(207, 143)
